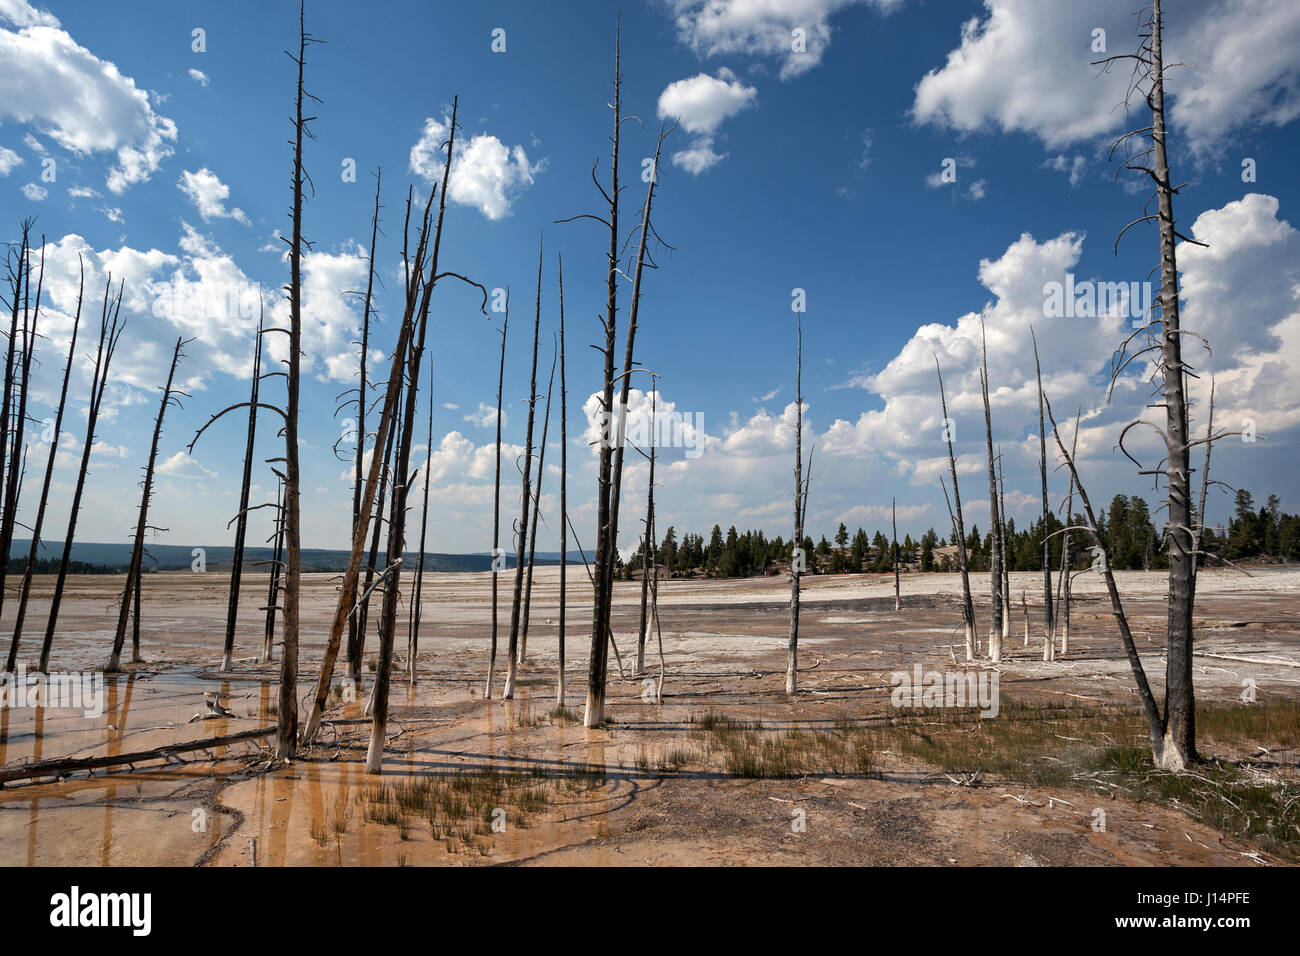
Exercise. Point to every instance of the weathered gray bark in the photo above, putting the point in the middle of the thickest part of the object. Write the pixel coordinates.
(893, 520)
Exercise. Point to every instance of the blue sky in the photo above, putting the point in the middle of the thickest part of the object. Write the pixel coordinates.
(818, 171)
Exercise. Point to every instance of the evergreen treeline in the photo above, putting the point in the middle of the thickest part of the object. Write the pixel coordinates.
(1132, 541)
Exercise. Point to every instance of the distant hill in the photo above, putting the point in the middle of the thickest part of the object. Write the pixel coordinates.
(177, 557)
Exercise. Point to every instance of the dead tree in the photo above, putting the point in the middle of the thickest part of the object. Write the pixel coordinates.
(347, 602)
(277, 563)
(647, 544)
(362, 616)
(537, 510)
(26, 587)
(618, 436)
(1177, 747)
(241, 517)
(968, 608)
(170, 396)
(801, 487)
(564, 493)
(516, 607)
(110, 330)
(497, 554)
(1067, 577)
(363, 401)
(414, 644)
(31, 313)
(402, 469)
(287, 736)
(1156, 723)
(20, 281)
(1049, 621)
(996, 620)
(893, 518)
(1006, 552)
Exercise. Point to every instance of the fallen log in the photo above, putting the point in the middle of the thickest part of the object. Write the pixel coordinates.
(64, 766)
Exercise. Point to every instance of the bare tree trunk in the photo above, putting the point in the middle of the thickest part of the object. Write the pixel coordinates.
(1205, 483)
(995, 521)
(277, 562)
(287, 735)
(363, 400)
(241, 520)
(18, 456)
(648, 545)
(1067, 577)
(537, 510)
(25, 592)
(893, 519)
(110, 330)
(347, 603)
(402, 478)
(496, 512)
(564, 492)
(516, 607)
(20, 280)
(800, 494)
(598, 665)
(386, 469)
(142, 521)
(968, 607)
(1149, 707)
(1006, 554)
(1049, 620)
(414, 646)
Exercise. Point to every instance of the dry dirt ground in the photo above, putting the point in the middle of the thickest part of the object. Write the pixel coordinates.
(621, 794)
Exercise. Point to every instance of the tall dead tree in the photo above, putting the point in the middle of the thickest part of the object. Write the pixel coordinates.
(110, 330)
(497, 554)
(348, 603)
(893, 519)
(1067, 559)
(241, 517)
(402, 466)
(20, 282)
(564, 493)
(537, 511)
(968, 608)
(17, 456)
(1006, 553)
(413, 645)
(26, 588)
(521, 532)
(363, 402)
(287, 735)
(996, 622)
(134, 569)
(647, 544)
(616, 417)
(362, 616)
(797, 557)
(1049, 620)
(1177, 746)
